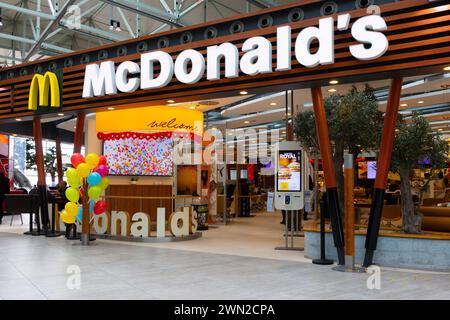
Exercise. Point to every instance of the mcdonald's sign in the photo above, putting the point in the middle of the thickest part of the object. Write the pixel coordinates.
(41, 87)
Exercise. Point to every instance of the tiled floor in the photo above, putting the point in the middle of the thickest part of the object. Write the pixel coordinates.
(36, 268)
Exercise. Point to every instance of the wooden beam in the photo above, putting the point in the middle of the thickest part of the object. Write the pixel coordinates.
(383, 164)
(328, 171)
(59, 167)
(78, 143)
(40, 167)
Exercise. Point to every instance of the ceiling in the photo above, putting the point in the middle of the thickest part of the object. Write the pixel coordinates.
(24, 21)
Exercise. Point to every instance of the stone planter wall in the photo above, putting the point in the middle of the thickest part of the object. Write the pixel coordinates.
(415, 253)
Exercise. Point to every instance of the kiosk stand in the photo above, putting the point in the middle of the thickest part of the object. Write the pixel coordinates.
(289, 196)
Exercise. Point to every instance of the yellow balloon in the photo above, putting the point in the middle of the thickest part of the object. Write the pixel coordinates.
(83, 170)
(66, 218)
(104, 183)
(92, 160)
(71, 209)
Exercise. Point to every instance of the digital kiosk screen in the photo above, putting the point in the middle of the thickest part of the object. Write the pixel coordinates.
(289, 171)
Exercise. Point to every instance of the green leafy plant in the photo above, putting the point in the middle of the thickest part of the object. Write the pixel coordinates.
(354, 124)
(49, 159)
(414, 139)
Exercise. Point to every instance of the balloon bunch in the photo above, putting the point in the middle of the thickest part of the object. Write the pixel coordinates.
(87, 172)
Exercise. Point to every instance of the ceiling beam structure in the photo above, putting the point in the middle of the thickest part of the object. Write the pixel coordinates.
(147, 11)
(36, 46)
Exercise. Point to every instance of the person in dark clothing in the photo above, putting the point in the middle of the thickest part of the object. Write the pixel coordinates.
(4, 189)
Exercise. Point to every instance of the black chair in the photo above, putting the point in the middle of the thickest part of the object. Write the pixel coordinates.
(24, 203)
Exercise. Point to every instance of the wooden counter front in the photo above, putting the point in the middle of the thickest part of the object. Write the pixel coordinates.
(140, 198)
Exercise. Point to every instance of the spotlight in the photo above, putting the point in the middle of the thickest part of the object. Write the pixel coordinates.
(114, 25)
(333, 82)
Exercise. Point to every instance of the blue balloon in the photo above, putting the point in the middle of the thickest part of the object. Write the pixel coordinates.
(91, 206)
(80, 214)
(94, 179)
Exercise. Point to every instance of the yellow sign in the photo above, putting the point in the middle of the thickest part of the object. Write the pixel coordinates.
(42, 86)
(158, 118)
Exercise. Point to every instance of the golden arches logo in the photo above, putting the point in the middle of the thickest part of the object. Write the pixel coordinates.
(41, 87)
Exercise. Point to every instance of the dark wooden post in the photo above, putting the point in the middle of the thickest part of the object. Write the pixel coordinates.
(349, 211)
(59, 167)
(85, 222)
(384, 162)
(41, 184)
(328, 171)
(79, 132)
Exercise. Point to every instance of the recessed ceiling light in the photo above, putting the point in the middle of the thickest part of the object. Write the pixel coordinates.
(61, 114)
(404, 105)
(447, 68)
(333, 82)
(396, 130)
(273, 103)
(283, 131)
(246, 122)
(18, 119)
(332, 90)
(170, 101)
(111, 108)
(420, 102)
(440, 129)
(192, 107)
(243, 92)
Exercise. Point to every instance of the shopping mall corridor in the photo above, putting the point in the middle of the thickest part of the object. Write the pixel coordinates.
(220, 265)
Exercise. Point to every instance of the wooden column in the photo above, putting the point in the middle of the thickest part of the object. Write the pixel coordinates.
(59, 167)
(328, 171)
(78, 139)
(40, 168)
(384, 162)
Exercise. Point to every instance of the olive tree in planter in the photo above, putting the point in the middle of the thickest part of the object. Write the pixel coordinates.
(354, 124)
(414, 139)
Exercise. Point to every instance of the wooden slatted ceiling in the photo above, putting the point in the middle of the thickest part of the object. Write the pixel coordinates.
(418, 34)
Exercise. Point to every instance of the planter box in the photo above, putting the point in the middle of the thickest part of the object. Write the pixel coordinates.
(392, 251)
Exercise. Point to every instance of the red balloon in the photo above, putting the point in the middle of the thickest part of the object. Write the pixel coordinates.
(76, 159)
(102, 160)
(99, 207)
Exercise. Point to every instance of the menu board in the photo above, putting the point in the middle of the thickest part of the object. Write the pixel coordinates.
(289, 171)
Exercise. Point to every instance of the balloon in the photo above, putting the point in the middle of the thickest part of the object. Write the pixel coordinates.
(76, 159)
(92, 160)
(80, 214)
(71, 209)
(102, 160)
(71, 173)
(66, 218)
(74, 182)
(83, 170)
(91, 206)
(102, 170)
(104, 183)
(100, 207)
(94, 179)
(72, 194)
(94, 192)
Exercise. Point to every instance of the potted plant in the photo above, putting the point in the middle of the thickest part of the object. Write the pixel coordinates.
(415, 139)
